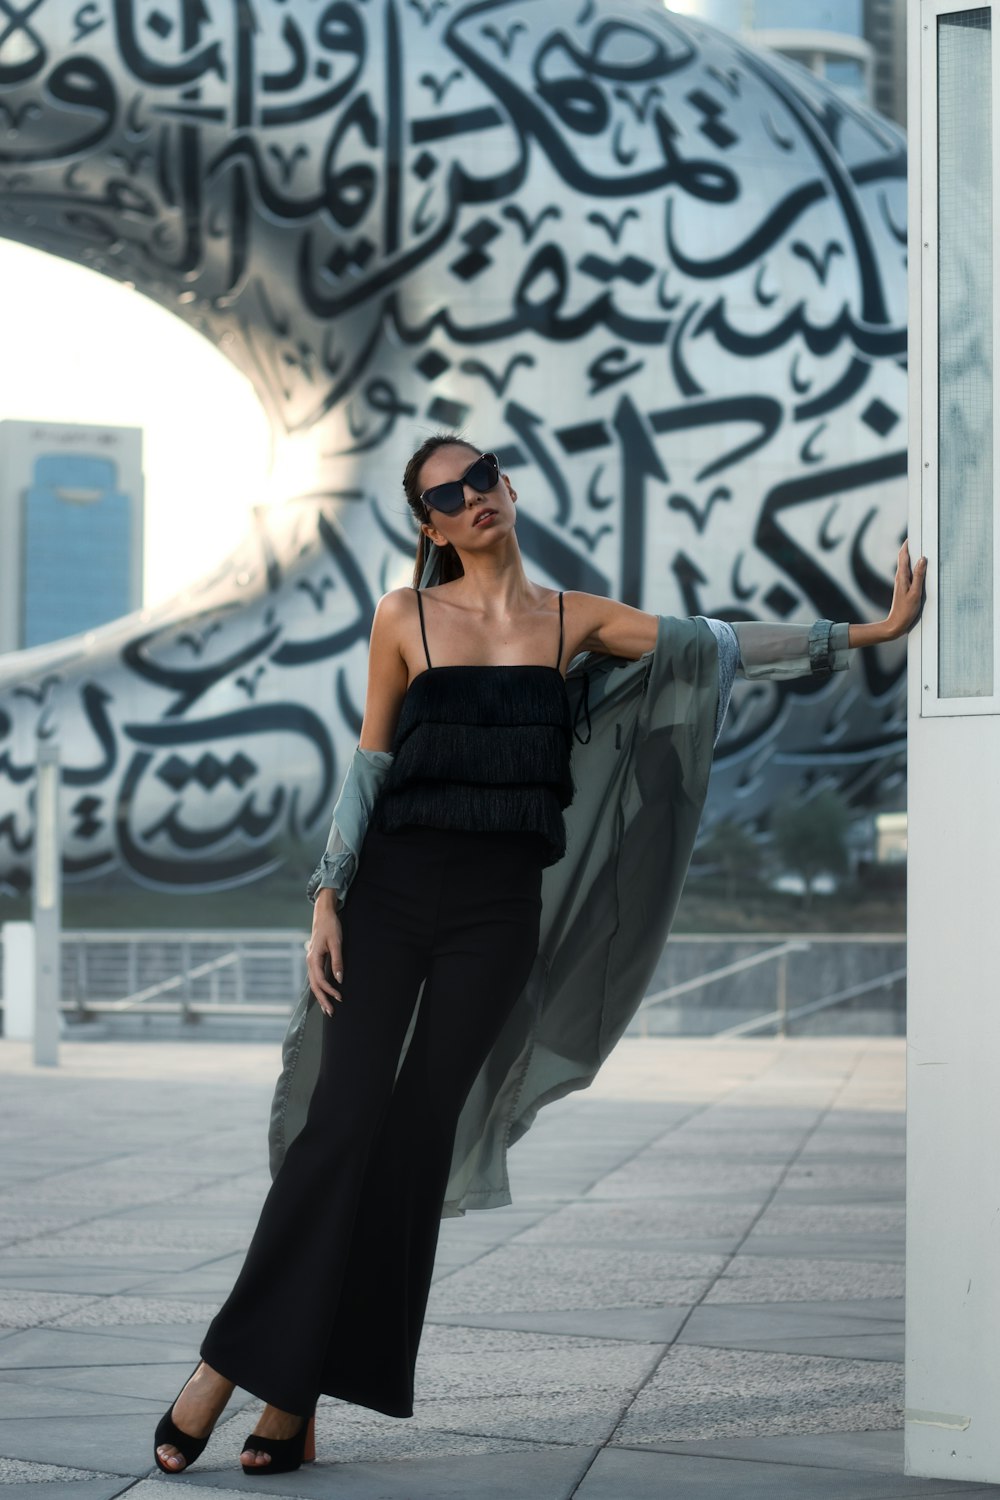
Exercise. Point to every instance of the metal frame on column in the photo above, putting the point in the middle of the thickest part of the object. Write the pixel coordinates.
(923, 266)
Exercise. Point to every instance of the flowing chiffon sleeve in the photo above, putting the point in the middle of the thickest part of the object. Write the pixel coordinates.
(761, 650)
(351, 815)
(776, 651)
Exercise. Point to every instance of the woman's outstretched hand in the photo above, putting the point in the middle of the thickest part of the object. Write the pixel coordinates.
(325, 943)
(907, 598)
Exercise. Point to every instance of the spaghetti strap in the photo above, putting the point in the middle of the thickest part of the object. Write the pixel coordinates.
(423, 632)
(559, 657)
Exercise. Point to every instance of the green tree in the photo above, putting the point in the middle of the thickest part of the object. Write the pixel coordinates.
(810, 837)
(734, 850)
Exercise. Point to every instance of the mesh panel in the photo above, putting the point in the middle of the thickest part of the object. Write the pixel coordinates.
(965, 356)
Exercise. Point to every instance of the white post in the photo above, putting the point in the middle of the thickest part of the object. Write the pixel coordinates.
(47, 902)
(782, 1006)
(18, 981)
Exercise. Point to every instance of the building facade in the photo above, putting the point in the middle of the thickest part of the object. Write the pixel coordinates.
(71, 529)
(885, 33)
(856, 46)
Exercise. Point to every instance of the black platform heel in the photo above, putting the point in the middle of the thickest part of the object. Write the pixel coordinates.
(286, 1453)
(167, 1431)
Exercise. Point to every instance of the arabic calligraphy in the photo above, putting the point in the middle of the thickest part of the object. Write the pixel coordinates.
(662, 279)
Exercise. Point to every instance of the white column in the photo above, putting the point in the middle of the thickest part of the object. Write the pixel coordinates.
(952, 1372)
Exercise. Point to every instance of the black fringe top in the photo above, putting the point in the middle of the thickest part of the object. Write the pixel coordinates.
(484, 748)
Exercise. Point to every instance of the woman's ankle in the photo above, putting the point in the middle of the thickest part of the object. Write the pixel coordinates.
(206, 1375)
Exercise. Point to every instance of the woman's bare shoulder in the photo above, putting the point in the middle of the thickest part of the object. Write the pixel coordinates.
(608, 626)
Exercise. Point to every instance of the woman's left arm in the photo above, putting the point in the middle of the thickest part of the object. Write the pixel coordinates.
(764, 649)
(768, 648)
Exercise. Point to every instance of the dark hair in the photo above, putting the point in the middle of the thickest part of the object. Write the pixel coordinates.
(451, 566)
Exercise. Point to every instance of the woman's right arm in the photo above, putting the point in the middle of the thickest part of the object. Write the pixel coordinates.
(387, 674)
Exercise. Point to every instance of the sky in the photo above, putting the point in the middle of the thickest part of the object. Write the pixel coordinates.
(79, 347)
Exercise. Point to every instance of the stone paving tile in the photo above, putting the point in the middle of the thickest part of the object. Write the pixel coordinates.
(454, 1338)
(29, 1481)
(756, 1278)
(736, 1120)
(576, 1416)
(462, 1363)
(188, 1335)
(124, 1236)
(208, 1214)
(116, 1183)
(17, 1226)
(136, 1312)
(749, 1181)
(644, 1325)
(596, 1220)
(122, 1444)
(55, 1489)
(856, 1329)
(204, 1481)
(822, 1246)
(702, 1392)
(864, 1310)
(35, 1155)
(624, 1474)
(831, 1219)
(799, 1328)
(33, 1399)
(844, 1174)
(696, 1140)
(494, 1223)
(450, 1256)
(519, 1277)
(874, 1452)
(234, 1193)
(80, 1282)
(875, 1345)
(864, 1119)
(50, 1348)
(211, 1279)
(862, 1193)
(157, 1381)
(845, 1144)
(27, 1309)
(91, 1284)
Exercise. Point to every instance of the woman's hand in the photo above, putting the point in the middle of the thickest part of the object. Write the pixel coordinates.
(907, 593)
(325, 943)
(907, 597)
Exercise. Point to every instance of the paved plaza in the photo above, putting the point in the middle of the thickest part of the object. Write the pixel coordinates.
(697, 1290)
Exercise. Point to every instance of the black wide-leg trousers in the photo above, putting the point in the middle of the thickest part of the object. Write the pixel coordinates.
(332, 1294)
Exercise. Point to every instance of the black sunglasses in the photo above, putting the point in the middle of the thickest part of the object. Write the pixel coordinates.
(482, 474)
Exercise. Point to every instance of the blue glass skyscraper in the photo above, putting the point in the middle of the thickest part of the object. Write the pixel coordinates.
(77, 534)
(71, 529)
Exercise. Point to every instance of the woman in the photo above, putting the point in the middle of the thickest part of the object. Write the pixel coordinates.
(451, 812)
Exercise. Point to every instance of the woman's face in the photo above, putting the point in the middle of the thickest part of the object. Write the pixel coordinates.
(463, 529)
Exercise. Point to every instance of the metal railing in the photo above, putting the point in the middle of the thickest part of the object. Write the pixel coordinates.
(780, 1016)
(260, 973)
(191, 974)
